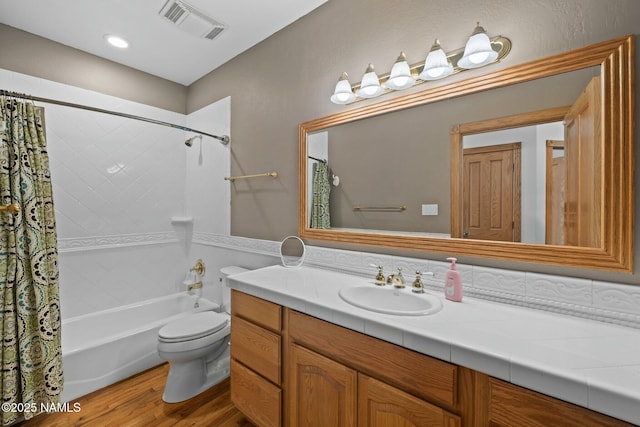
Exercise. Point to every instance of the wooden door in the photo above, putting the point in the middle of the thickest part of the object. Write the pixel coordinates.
(554, 195)
(321, 392)
(583, 143)
(381, 405)
(491, 192)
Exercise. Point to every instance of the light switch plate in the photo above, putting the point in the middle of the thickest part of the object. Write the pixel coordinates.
(430, 209)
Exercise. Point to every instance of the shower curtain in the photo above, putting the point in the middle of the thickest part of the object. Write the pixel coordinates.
(320, 217)
(30, 354)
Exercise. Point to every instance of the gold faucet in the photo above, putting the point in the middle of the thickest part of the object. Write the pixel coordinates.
(195, 285)
(199, 268)
(380, 280)
(194, 278)
(398, 279)
(417, 287)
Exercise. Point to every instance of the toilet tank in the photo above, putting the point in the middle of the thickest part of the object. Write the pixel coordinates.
(226, 291)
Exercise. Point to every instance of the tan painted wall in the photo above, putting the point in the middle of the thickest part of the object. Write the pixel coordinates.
(27, 53)
(288, 78)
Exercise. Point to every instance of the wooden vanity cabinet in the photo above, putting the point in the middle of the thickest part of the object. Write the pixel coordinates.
(291, 369)
(256, 348)
(321, 392)
(507, 405)
(339, 377)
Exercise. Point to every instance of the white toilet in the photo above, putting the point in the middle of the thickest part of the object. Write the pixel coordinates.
(197, 349)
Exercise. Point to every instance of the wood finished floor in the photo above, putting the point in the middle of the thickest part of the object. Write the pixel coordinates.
(137, 402)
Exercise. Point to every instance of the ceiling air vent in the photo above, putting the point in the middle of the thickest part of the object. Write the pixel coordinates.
(191, 20)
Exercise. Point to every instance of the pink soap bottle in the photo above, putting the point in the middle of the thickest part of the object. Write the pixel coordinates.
(453, 283)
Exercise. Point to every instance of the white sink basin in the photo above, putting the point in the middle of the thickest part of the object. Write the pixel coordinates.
(388, 300)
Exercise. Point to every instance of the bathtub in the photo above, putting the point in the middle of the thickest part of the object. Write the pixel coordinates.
(102, 348)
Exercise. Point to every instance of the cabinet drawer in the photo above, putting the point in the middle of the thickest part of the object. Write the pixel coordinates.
(256, 348)
(256, 310)
(413, 372)
(255, 397)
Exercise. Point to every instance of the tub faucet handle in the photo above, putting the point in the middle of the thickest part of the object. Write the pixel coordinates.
(199, 268)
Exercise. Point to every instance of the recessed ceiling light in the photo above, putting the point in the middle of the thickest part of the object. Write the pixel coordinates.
(116, 41)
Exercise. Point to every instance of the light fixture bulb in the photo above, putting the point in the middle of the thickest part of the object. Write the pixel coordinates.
(116, 41)
(478, 51)
(370, 84)
(436, 66)
(343, 94)
(400, 77)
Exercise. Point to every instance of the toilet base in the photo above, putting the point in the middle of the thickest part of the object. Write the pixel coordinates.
(187, 380)
(194, 371)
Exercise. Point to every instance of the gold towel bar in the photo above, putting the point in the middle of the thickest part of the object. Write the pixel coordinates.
(233, 178)
(13, 208)
(380, 208)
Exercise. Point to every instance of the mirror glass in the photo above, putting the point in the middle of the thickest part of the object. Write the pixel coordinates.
(406, 172)
(394, 170)
(292, 251)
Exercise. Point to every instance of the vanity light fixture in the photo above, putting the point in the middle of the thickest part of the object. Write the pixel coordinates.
(436, 66)
(479, 51)
(343, 94)
(370, 86)
(400, 77)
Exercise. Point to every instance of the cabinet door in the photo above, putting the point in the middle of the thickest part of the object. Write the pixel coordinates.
(510, 405)
(381, 405)
(321, 392)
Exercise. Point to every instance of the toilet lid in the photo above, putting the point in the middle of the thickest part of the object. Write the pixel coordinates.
(194, 326)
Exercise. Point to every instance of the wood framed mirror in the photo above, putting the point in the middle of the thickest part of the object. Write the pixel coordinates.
(608, 245)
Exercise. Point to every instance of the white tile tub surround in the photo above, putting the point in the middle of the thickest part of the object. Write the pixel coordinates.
(117, 182)
(207, 194)
(95, 279)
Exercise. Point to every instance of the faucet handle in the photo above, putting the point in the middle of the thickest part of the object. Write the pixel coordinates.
(417, 287)
(380, 279)
(199, 268)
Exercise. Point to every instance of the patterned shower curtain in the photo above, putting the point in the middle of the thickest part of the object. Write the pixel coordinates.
(320, 217)
(30, 354)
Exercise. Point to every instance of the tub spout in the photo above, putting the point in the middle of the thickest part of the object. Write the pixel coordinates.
(195, 285)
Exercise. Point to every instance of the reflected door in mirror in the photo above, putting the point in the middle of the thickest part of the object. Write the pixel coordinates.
(583, 141)
(555, 186)
(491, 193)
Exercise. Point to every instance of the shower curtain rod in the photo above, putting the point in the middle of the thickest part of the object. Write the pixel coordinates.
(224, 138)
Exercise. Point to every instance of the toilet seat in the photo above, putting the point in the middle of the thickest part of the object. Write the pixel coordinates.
(195, 326)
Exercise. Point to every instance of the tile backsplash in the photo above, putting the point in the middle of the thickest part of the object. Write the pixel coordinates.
(602, 301)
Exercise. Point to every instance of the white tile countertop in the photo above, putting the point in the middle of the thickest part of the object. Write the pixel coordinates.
(585, 362)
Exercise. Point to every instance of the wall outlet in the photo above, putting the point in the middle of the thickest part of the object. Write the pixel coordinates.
(430, 209)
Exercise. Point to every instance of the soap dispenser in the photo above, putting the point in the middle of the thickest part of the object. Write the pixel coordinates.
(453, 283)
